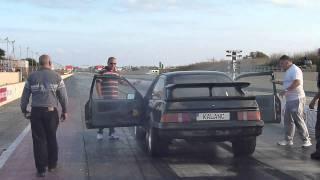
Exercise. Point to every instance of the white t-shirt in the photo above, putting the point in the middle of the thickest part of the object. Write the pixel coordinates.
(293, 73)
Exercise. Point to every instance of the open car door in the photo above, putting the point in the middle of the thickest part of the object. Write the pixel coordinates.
(266, 94)
(113, 102)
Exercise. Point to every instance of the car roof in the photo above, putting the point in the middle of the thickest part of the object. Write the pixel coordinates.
(178, 73)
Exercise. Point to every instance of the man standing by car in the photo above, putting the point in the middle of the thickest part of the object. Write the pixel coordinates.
(295, 101)
(47, 89)
(316, 154)
(108, 89)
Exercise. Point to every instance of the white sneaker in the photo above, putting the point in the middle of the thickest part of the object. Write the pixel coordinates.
(285, 143)
(99, 136)
(113, 137)
(306, 143)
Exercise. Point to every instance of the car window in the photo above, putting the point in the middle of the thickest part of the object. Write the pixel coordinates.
(158, 90)
(199, 78)
(112, 88)
(204, 92)
(256, 87)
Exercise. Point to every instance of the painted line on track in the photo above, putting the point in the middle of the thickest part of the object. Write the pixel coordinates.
(7, 153)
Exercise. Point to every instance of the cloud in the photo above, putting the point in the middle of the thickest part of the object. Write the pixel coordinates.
(60, 4)
(296, 3)
(149, 4)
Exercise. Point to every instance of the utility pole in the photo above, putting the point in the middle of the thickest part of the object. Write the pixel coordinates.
(27, 52)
(37, 56)
(234, 54)
(13, 52)
(20, 56)
(32, 59)
(7, 39)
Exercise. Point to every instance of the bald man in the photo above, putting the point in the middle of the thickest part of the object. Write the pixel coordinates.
(48, 90)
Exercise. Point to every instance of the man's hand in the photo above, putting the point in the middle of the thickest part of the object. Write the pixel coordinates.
(282, 93)
(64, 116)
(312, 104)
(276, 81)
(27, 114)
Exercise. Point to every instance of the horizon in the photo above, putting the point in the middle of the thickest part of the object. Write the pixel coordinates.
(144, 32)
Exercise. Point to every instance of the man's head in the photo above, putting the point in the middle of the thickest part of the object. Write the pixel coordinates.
(285, 62)
(45, 61)
(112, 62)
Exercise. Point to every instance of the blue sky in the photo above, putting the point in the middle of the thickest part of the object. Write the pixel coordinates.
(144, 32)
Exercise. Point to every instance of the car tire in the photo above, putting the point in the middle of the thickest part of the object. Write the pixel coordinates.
(139, 133)
(154, 145)
(244, 146)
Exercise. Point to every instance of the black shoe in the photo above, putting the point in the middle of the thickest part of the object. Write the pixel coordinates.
(315, 155)
(41, 174)
(52, 169)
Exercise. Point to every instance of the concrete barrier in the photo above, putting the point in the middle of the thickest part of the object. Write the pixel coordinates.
(9, 78)
(12, 92)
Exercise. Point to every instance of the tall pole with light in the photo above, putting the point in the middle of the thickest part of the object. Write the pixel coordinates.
(37, 56)
(7, 39)
(32, 60)
(234, 54)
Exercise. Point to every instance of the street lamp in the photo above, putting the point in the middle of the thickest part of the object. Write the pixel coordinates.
(27, 52)
(7, 39)
(234, 54)
(37, 56)
(32, 60)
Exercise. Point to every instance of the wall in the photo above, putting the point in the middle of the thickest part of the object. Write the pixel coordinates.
(12, 92)
(9, 78)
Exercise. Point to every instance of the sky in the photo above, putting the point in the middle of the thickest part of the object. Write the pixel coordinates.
(144, 32)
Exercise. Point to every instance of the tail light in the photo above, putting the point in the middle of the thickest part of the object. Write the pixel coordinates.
(249, 115)
(175, 117)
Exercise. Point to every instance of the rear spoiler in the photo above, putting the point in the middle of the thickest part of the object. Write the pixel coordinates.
(209, 85)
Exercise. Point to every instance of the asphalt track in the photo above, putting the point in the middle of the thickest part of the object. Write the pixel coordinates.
(81, 156)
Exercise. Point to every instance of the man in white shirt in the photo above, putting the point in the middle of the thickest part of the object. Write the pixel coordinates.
(295, 102)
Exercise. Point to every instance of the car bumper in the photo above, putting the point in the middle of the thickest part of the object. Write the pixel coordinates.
(209, 131)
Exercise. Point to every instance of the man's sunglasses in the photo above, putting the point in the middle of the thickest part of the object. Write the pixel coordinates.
(113, 63)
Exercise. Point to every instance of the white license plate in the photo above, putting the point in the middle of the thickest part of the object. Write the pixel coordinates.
(213, 116)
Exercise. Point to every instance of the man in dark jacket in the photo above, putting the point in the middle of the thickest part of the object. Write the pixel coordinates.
(48, 90)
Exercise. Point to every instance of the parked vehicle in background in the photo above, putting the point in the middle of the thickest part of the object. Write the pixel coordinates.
(196, 106)
(98, 68)
(68, 69)
(154, 71)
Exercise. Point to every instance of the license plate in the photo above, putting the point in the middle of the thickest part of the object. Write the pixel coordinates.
(213, 116)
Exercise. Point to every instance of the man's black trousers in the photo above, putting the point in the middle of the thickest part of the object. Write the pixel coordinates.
(44, 124)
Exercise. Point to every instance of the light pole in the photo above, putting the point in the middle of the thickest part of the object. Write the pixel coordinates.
(7, 39)
(13, 52)
(27, 52)
(234, 54)
(20, 53)
(32, 60)
(37, 56)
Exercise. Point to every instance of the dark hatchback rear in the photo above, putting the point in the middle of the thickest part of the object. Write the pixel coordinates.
(202, 106)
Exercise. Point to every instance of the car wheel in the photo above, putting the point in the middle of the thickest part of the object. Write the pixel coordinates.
(139, 132)
(244, 146)
(154, 145)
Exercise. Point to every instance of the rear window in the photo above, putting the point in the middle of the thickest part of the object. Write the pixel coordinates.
(199, 78)
(204, 92)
